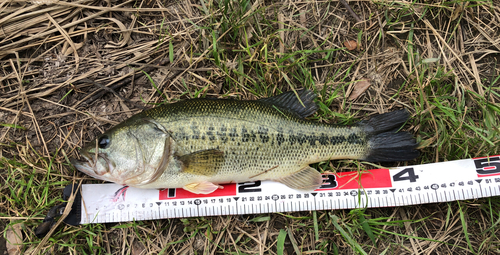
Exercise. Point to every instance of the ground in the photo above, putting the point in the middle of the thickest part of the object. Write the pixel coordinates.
(71, 70)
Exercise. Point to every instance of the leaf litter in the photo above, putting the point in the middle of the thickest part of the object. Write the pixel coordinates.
(14, 239)
(359, 88)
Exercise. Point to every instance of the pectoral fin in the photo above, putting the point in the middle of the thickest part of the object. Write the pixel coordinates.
(202, 187)
(306, 178)
(206, 162)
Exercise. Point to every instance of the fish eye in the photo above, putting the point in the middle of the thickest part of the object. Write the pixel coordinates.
(103, 142)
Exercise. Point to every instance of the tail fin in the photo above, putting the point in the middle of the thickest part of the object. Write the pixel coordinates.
(384, 142)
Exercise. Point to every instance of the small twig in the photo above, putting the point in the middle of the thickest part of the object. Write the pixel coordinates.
(249, 235)
(159, 66)
(24, 98)
(492, 81)
(116, 86)
(68, 39)
(349, 9)
(263, 172)
(281, 32)
(449, 48)
(381, 31)
(110, 90)
(21, 218)
(80, 112)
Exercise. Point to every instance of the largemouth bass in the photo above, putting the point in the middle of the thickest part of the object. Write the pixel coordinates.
(198, 144)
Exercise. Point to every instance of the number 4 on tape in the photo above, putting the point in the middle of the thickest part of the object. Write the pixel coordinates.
(407, 174)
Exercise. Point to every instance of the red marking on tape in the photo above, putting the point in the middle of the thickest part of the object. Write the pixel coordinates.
(487, 157)
(487, 175)
(377, 178)
(180, 193)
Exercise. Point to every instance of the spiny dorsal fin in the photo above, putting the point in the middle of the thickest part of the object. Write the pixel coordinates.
(306, 178)
(205, 162)
(290, 102)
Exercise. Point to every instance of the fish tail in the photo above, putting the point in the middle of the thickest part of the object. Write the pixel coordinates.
(385, 143)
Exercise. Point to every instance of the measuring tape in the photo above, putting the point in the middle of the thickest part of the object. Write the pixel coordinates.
(408, 185)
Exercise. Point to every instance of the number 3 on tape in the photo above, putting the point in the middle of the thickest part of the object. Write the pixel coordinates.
(407, 174)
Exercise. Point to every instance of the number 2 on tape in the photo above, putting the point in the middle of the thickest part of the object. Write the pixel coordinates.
(410, 175)
(249, 187)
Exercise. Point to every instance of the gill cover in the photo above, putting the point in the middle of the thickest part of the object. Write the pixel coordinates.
(148, 137)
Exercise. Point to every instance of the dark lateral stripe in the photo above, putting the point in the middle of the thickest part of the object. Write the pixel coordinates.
(262, 135)
(322, 139)
(195, 132)
(222, 134)
(248, 136)
(210, 133)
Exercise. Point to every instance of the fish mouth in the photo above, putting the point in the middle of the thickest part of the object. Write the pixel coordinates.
(91, 165)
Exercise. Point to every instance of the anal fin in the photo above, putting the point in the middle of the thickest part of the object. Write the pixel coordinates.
(306, 178)
(204, 187)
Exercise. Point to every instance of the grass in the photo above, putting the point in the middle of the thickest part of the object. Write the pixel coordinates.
(440, 63)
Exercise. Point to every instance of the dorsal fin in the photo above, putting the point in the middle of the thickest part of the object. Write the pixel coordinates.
(290, 101)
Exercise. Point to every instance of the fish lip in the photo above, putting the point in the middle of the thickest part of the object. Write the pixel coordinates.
(87, 160)
(88, 163)
(77, 163)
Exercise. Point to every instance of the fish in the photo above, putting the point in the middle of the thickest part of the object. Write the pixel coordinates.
(199, 144)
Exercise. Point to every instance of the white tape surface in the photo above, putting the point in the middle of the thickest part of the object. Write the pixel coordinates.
(410, 185)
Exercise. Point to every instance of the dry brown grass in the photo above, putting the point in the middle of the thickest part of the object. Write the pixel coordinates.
(70, 70)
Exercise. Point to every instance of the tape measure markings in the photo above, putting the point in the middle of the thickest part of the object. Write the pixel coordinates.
(408, 185)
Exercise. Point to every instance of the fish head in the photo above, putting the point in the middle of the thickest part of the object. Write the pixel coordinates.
(131, 154)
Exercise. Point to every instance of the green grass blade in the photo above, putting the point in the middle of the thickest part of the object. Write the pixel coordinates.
(13, 126)
(367, 228)
(171, 51)
(464, 227)
(346, 235)
(315, 222)
(280, 245)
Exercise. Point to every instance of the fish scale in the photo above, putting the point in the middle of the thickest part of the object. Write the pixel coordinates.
(284, 136)
(207, 142)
